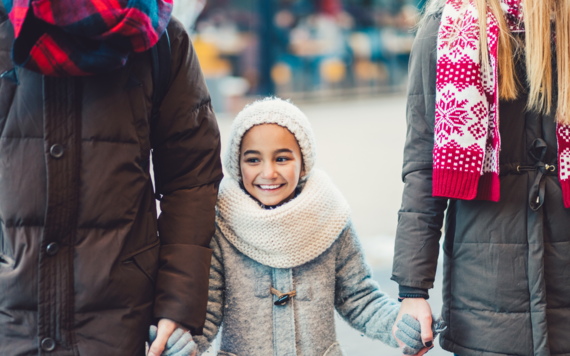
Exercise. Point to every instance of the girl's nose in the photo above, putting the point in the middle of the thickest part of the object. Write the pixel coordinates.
(269, 171)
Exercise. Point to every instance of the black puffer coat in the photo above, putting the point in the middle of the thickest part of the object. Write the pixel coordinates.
(506, 267)
(82, 270)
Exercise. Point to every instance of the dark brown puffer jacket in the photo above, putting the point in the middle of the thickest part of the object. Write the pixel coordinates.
(82, 268)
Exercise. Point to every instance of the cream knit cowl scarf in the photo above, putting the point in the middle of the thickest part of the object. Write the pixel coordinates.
(289, 235)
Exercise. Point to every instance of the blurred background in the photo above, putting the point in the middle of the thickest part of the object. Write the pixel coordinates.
(344, 63)
(300, 49)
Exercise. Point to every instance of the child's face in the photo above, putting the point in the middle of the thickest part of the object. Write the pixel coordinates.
(271, 163)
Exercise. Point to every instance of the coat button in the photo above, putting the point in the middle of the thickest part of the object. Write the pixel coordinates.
(52, 248)
(283, 300)
(48, 344)
(56, 151)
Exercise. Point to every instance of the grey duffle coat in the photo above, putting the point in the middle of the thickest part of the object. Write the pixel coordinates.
(506, 286)
(241, 302)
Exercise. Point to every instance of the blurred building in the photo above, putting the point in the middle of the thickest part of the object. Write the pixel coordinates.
(300, 48)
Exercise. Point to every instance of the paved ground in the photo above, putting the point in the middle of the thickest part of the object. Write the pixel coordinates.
(360, 145)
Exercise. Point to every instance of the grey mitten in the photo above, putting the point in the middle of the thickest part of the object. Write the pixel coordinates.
(409, 332)
(180, 343)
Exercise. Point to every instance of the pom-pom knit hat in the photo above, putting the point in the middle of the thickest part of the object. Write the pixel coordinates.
(271, 110)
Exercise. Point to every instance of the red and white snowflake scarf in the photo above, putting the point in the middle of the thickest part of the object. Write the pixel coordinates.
(467, 140)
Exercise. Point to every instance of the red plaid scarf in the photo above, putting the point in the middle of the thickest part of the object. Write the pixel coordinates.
(467, 140)
(83, 37)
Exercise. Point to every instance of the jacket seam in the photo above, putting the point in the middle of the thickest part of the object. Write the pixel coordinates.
(25, 310)
(201, 105)
(331, 347)
(495, 312)
(20, 138)
(97, 227)
(190, 187)
(109, 141)
(140, 250)
(11, 225)
(470, 348)
(498, 243)
(83, 140)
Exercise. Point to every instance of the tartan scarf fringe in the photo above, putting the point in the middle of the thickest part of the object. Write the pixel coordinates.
(97, 37)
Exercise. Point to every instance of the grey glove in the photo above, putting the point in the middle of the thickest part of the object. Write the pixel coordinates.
(409, 332)
(180, 343)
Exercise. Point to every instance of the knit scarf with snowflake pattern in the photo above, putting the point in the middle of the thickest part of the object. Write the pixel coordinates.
(467, 140)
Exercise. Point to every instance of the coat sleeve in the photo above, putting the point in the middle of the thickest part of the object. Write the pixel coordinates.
(421, 215)
(216, 300)
(187, 169)
(358, 298)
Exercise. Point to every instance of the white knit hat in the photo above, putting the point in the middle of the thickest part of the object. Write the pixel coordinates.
(271, 110)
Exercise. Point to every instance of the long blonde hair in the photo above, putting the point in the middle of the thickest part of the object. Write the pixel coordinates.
(538, 53)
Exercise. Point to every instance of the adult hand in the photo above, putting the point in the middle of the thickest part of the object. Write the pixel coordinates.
(165, 330)
(420, 310)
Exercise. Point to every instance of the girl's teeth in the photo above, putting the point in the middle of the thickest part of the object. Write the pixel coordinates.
(269, 186)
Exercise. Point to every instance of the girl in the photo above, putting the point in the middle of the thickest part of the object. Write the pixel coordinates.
(285, 253)
(488, 140)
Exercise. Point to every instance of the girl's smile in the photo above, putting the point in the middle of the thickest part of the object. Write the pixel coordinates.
(269, 188)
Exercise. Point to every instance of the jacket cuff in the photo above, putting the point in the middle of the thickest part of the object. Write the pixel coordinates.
(182, 285)
(412, 292)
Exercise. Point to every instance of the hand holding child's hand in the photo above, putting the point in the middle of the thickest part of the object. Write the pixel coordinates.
(170, 340)
(409, 332)
(419, 310)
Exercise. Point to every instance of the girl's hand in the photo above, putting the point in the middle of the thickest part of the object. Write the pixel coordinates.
(419, 309)
(170, 340)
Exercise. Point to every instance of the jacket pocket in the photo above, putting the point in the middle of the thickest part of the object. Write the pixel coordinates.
(147, 261)
(334, 350)
(225, 353)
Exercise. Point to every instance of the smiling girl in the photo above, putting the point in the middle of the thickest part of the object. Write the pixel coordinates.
(271, 164)
(285, 253)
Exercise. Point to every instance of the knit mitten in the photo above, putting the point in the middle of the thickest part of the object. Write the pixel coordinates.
(180, 343)
(409, 332)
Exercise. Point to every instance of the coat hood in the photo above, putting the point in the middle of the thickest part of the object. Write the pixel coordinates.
(271, 111)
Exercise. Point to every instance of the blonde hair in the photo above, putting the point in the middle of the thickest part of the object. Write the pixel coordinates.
(508, 86)
(537, 20)
(563, 59)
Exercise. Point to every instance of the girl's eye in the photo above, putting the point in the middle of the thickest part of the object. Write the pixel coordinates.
(252, 160)
(282, 159)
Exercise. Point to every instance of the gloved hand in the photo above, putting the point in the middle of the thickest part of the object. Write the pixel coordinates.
(180, 343)
(409, 332)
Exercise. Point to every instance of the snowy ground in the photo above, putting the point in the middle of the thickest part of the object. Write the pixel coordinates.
(360, 145)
